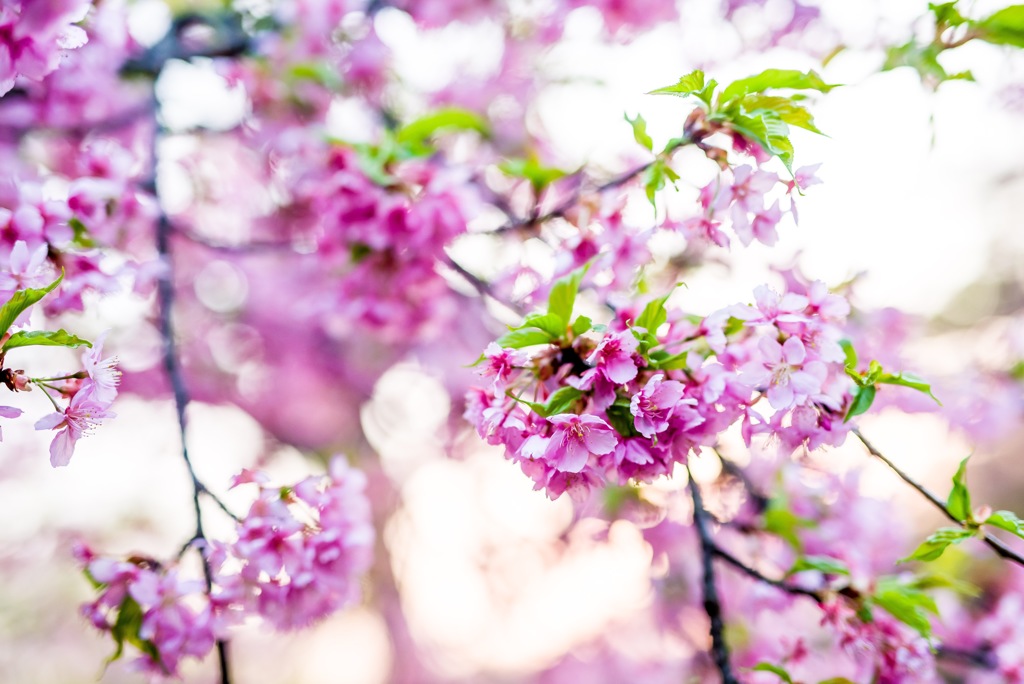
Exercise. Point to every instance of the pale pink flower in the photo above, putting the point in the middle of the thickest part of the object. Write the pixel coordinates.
(781, 372)
(103, 372)
(83, 412)
(8, 412)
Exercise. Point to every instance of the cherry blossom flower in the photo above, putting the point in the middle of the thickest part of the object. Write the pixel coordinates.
(84, 412)
(575, 438)
(652, 406)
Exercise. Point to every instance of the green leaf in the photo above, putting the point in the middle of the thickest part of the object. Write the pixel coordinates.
(959, 501)
(320, 73)
(946, 13)
(81, 238)
(850, 352)
(935, 545)
(581, 325)
(781, 521)
(909, 380)
(22, 300)
(562, 299)
(664, 361)
(924, 59)
(560, 401)
(905, 603)
(621, 419)
(775, 670)
(823, 564)
(550, 323)
(523, 337)
(1006, 520)
(690, 84)
(863, 397)
(416, 133)
(640, 131)
(836, 680)
(44, 338)
(532, 170)
(126, 629)
(1005, 27)
(782, 107)
(653, 316)
(775, 78)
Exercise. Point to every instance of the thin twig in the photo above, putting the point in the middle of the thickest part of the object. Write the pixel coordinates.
(712, 606)
(574, 197)
(996, 544)
(778, 584)
(480, 286)
(165, 299)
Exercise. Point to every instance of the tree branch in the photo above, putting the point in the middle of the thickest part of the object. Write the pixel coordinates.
(994, 543)
(172, 366)
(712, 606)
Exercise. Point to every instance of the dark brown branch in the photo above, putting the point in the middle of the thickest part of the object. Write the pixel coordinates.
(712, 606)
(994, 543)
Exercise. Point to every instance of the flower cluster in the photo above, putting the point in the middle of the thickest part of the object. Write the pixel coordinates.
(742, 200)
(153, 607)
(299, 550)
(385, 242)
(297, 559)
(602, 404)
(34, 35)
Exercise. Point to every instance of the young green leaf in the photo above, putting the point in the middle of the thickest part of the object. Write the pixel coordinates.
(562, 299)
(911, 381)
(581, 325)
(690, 84)
(21, 301)
(959, 501)
(776, 670)
(653, 315)
(850, 353)
(863, 397)
(523, 337)
(905, 603)
(775, 78)
(531, 169)
(550, 323)
(823, 564)
(560, 401)
(416, 133)
(935, 545)
(640, 131)
(44, 338)
(1006, 520)
(1005, 27)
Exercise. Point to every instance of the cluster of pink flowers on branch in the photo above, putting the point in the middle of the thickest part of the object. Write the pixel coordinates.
(592, 404)
(297, 558)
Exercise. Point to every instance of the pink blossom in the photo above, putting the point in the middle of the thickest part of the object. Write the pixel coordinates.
(652, 406)
(575, 438)
(614, 357)
(8, 412)
(501, 363)
(103, 372)
(782, 372)
(33, 34)
(294, 567)
(83, 412)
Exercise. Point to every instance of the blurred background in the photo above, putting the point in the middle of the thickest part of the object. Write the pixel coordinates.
(479, 578)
